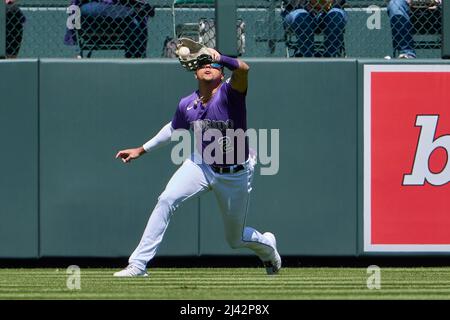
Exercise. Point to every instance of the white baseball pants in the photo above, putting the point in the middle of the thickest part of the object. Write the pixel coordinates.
(232, 192)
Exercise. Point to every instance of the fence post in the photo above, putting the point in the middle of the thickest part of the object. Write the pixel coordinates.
(271, 25)
(2, 29)
(226, 39)
(445, 29)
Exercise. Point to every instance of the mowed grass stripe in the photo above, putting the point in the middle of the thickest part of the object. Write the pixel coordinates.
(228, 283)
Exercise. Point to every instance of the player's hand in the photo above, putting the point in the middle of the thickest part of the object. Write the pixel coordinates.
(129, 154)
(214, 54)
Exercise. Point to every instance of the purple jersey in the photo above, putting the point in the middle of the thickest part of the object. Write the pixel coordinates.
(226, 112)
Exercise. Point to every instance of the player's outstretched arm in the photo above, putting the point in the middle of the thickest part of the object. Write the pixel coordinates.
(161, 139)
(239, 78)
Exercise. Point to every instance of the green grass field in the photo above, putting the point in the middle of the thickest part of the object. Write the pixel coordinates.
(228, 284)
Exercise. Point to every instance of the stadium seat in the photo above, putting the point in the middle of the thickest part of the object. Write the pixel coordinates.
(291, 43)
(427, 28)
(93, 35)
(273, 34)
(188, 29)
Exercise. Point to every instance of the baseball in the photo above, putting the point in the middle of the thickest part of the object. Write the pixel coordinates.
(184, 52)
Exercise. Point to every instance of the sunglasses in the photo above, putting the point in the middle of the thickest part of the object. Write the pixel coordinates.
(217, 66)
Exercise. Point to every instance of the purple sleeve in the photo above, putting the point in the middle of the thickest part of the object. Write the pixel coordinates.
(179, 119)
(230, 63)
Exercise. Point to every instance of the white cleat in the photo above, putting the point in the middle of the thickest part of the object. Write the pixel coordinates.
(273, 266)
(131, 271)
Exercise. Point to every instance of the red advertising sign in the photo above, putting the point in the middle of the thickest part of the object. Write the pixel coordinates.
(406, 158)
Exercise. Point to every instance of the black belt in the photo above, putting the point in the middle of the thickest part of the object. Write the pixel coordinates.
(230, 169)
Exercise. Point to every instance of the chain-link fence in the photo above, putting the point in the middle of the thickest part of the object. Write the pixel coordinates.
(265, 28)
(351, 28)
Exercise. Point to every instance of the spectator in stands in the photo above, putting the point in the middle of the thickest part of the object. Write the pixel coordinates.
(306, 17)
(401, 14)
(14, 28)
(131, 17)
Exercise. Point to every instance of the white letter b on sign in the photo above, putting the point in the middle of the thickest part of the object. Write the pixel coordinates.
(425, 147)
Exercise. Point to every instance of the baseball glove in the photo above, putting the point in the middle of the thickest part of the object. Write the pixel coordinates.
(194, 56)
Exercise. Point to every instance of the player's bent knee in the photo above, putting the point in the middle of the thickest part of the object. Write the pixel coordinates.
(167, 201)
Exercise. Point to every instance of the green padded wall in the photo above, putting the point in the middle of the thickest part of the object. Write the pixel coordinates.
(63, 193)
(18, 163)
(310, 204)
(92, 204)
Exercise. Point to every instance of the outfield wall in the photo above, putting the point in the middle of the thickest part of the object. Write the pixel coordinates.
(63, 194)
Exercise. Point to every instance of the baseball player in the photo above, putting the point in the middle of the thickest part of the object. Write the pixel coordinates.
(216, 104)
